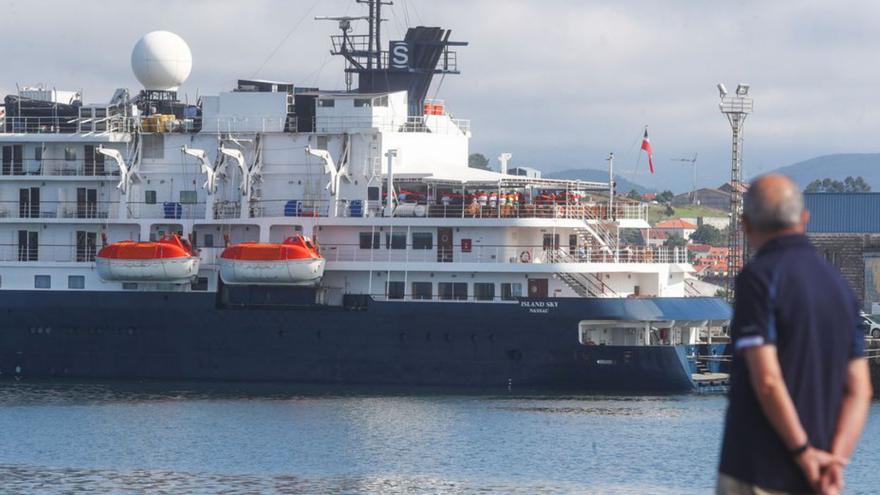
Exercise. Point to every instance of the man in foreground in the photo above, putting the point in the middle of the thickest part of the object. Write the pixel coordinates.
(800, 387)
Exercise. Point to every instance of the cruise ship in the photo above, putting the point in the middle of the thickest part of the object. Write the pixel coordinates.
(276, 232)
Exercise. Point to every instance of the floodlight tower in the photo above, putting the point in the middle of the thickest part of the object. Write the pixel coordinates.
(736, 108)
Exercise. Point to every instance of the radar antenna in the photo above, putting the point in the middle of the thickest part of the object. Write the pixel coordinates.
(345, 43)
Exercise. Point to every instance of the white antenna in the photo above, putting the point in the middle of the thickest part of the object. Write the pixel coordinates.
(503, 158)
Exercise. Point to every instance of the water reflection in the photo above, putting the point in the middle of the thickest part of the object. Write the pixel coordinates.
(155, 437)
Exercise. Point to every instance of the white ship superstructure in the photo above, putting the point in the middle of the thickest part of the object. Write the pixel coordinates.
(377, 176)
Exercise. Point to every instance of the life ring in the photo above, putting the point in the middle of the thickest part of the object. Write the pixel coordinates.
(525, 257)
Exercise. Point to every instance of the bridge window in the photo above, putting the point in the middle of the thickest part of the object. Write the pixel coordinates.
(362, 102)
(327, 103)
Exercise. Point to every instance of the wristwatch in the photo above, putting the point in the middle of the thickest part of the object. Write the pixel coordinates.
(797, 451)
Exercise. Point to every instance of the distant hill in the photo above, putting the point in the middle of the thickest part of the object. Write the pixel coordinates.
(836, 167)
(622, 185)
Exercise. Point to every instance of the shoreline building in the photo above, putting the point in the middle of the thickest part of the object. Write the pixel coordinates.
(845, 228)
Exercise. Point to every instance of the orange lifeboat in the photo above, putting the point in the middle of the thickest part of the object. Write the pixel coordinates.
(296, 261)
(170, 259)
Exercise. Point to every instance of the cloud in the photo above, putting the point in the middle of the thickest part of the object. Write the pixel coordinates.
(559, 83)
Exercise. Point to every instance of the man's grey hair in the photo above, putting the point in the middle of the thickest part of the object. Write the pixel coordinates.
(770, 212)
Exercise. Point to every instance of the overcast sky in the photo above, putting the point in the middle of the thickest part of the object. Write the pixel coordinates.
(557, 83)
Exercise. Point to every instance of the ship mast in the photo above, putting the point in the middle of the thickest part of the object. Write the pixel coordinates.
(404, 65)
(374, 43)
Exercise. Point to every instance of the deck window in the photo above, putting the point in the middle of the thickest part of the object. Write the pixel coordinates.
(484, 291)
(510, 292)
(422, 240)
(362, 102)
(394, 290)
(395, 240)
(76, 282)
(365, 240)
(42, 282)
(70, 154)
(422, 290)
(327, 103)
(129, 286)
(188, 197)
(452, 291)
(150, 197)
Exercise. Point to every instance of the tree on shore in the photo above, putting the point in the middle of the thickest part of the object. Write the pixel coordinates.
(707, 234)
(665, 197)
(478, 160)
(828, 185)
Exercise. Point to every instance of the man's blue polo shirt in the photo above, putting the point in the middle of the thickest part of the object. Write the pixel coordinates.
(789, 296)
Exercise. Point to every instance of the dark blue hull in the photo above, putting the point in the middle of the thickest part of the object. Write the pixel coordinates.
(184, 336)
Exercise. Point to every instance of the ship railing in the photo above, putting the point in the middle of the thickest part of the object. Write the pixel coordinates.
(66, 125)
(289, 208)
(53, 167)
(555, 210)
(391, 248)
(435, 124)
(361, 208)
(58, 253)
(87, 210)
(168, 210)
(449, 292)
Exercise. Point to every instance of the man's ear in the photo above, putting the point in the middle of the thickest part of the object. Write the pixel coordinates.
(805, 218)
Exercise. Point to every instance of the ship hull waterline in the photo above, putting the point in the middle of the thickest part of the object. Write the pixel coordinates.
(194, 336)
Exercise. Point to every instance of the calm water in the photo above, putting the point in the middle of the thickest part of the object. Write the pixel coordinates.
(186, 438)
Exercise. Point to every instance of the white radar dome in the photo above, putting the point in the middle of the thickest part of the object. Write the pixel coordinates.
(161, 61)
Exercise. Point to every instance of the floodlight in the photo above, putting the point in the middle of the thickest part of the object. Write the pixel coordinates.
(742, 89)
(722, 90)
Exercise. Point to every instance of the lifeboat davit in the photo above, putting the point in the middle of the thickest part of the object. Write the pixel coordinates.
(170, 259)
(295, 262)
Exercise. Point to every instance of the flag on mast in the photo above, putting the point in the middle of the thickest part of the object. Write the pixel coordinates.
(646, 147)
